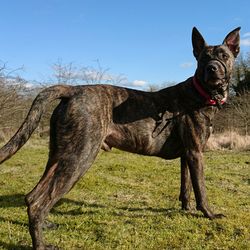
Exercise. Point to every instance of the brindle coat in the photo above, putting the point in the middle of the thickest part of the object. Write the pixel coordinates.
(170, 123)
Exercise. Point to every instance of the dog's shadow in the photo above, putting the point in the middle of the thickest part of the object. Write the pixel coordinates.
(17, 200)
(13, 200)
(83, 207)
(119, 211)
(13, 246)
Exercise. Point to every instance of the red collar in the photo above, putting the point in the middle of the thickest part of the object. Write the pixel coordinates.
(204, 94)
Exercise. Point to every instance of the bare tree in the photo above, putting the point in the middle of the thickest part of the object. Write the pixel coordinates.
(157, 87)
(74, 75)
(14, 100)
(241, 79)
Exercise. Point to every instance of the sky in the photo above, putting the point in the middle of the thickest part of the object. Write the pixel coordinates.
(146, 41)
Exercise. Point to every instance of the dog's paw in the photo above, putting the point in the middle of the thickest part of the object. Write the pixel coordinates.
(209, 214)
(218, 216)
(215, 216)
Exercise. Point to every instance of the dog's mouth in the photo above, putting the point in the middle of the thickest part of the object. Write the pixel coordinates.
(218, 89)
(219, 94)
(214, 81)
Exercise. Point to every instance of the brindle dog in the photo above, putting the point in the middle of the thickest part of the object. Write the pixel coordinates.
(170, 123)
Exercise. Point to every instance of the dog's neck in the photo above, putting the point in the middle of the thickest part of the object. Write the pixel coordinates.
(185, 97)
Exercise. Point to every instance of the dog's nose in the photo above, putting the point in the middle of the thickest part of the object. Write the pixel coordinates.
(212, 68)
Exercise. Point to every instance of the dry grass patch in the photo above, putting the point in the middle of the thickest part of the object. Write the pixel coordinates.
(229, 140)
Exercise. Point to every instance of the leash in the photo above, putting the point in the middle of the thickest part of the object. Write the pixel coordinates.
(166, 119)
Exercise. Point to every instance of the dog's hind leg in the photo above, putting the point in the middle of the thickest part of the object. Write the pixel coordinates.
(186, 185)
(59, 177)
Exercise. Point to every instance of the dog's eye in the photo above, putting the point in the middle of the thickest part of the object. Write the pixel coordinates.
(225, 56)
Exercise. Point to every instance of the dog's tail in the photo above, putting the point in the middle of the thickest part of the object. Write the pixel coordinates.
(33, 118)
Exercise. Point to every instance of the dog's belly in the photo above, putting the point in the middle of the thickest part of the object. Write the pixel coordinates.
(138, 139)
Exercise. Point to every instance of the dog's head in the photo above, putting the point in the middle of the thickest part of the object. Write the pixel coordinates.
(215, 63)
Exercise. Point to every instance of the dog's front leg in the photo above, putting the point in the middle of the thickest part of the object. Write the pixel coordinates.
(186, 185)
(195, 163)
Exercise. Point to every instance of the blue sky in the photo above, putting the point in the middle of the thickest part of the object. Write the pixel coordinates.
(148, 41)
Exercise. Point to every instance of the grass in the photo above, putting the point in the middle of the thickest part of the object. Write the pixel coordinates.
(126, 201)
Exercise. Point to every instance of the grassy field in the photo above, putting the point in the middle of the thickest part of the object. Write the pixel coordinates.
(127, 201)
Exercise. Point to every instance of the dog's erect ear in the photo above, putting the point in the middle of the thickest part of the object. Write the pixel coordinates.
(198, 42)
(232, 41)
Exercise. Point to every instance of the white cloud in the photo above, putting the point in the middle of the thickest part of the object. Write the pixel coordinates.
(186, 65)
(246, 34)
(245, 42)
(138, 83)
(29, 85)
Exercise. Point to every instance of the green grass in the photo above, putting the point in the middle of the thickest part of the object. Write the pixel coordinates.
(126, 201)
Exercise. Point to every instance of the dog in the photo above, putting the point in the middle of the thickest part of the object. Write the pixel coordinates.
(169, 123)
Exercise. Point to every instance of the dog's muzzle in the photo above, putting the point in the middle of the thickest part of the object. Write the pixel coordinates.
(215, 73)
(216, 79)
